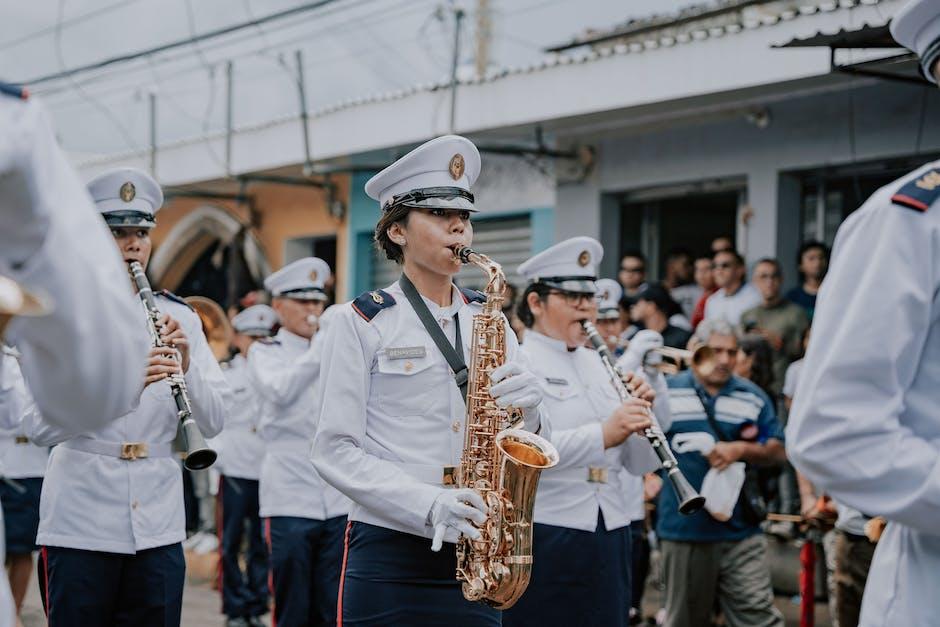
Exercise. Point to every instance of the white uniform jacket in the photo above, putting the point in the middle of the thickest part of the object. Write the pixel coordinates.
(580, 397)
(19, 458)
(865, 425)
(84, 362)
(284, 372)
(100, 502)
(392, 416)
(240, 446)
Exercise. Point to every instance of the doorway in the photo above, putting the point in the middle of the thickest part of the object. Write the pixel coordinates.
(690, 221)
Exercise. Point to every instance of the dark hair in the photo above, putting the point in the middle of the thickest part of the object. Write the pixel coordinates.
(771, 261)
(810, 245)
(678, 253)
(730, 251)
(660, 297)
(636, 254)
(382, 241)
(762, 369)
(523, 311)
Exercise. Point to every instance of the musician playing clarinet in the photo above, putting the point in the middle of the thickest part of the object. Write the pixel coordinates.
(111, 509)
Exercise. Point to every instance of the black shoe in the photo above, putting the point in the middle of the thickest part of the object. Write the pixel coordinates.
(237, 621)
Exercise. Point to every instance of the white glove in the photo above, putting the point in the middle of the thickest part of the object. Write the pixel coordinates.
(513, 385)
(641, 343)
(455, 509)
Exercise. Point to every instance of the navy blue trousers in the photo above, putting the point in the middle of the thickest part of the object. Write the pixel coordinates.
(579, 579)
(393, 578)
(306, 559)
(640, 562)
(20, 501)
(244, 593)
(81, 588)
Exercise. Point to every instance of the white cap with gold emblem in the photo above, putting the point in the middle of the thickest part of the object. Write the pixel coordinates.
(917, 28)
(303, 279)
(126, 197)
(256, 321)
(436, 174)
(608, 296)
(570, 265)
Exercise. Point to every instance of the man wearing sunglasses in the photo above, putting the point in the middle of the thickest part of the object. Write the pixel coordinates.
(734, 296)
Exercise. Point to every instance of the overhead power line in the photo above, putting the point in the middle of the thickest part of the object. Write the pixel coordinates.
(189, 41)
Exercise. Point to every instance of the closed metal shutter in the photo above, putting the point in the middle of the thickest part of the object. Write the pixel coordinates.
(508, 241)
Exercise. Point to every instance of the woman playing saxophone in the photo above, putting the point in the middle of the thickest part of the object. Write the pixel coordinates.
(393, 414)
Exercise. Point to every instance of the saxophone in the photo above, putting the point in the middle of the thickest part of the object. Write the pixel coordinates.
(501, 462)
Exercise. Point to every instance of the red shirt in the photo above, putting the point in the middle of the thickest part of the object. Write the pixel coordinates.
(698, 314)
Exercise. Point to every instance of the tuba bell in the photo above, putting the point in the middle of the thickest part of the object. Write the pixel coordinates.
(670, 360)
(215, 325)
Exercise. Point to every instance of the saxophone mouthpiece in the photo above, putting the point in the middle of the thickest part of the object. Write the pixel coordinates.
(462, 253)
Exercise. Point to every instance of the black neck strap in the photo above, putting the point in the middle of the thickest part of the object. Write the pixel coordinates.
(453, 354)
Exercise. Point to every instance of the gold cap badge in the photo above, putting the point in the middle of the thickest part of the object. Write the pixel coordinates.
(584, 258)
(313, 275)
(128, 192)
(456, 166)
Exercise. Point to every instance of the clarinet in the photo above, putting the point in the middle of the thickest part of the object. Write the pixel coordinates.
(198, 453)
(690, 501)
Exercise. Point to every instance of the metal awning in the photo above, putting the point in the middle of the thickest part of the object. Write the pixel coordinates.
(902, 67)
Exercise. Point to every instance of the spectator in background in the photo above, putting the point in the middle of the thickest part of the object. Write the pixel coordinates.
(704, 278)
(680, 281)
(632, 275)
(781, 322)
(705, 558)
(510, 296)
(812, 262)
(733, 296)
(652, 310)
(608, 323)
(756, 362)
(722, 243)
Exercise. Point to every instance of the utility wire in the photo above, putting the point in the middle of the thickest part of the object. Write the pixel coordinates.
(190, 41)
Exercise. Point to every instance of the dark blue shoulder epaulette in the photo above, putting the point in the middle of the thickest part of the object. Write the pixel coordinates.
(174, 298)
(473, 296)
(16, 91)
(921, 192)
(369, 304)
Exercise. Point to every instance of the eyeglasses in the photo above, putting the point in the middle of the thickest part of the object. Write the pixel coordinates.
(634, 269)
(573, 298)
(764, 276)
(725, 266)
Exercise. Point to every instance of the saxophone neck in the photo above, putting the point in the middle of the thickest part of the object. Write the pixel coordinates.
(496, 279)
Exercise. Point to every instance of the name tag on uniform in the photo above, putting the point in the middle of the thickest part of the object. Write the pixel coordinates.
(406, 352)
(555, 381)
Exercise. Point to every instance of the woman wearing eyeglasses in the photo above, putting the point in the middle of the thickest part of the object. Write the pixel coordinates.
(581, 568)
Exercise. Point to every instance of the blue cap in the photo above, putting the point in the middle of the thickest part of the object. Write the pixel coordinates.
(127, 197)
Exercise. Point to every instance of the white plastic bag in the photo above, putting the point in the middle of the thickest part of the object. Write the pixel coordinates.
(721, 489)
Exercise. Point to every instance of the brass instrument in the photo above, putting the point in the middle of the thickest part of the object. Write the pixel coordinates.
(670, 360)
(198, 453)
(15, 301)
(690, 501)
(215, 325)
(501, 462)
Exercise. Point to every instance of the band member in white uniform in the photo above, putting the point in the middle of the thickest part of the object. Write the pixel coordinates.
(304, 516)
(241, 451)
(581, 570)
(864, 424)
(111, 512)
(84, 360)
(22, 466)
(392, 415)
